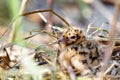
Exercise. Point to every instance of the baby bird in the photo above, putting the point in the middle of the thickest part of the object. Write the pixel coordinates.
(79, 54)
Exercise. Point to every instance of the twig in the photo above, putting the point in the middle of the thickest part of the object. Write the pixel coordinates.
(6, 62)
(23, 6)
(9, 26)
(6, 46)
(99, 29)
(48, 61)
(4, 33)
(109, 68)
(6, 59)
(103, 10)
(7, 54)
(109, 47)
(13, 34)
(50, 4)
(30, 36)
(92, 27)
(46, 33)
(33, 12)
(45, 20)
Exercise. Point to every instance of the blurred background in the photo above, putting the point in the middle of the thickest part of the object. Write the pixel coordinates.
(27, 30)
(80, 13)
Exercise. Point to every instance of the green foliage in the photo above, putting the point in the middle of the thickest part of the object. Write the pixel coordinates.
(16, 35)
(14, 7)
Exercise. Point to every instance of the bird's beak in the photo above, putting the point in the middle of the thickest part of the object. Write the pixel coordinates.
(62, 40)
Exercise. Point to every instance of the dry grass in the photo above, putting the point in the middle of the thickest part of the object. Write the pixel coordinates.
(20, 63)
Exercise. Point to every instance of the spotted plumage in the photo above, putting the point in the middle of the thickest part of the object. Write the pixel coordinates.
(83, 56)
(79, 53)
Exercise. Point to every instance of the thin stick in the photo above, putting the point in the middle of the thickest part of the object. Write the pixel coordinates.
(30, 36)
(33, 12)
(97, 4)
(99, 29)
(7, 54)
(45, 20)
(109, 49)
(14, 24)
(6, 59)
(109, 68)
(23, 6)
(9, 26)
(6, 46)
(46, 33)
(4, 33)
(48, 61)
(25, 14)
(50, 5)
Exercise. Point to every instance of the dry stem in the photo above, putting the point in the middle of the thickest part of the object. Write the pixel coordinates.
(28, 13)
(109, 48)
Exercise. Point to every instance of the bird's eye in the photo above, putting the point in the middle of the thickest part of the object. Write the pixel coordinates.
(76, 30)
(72, 37)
